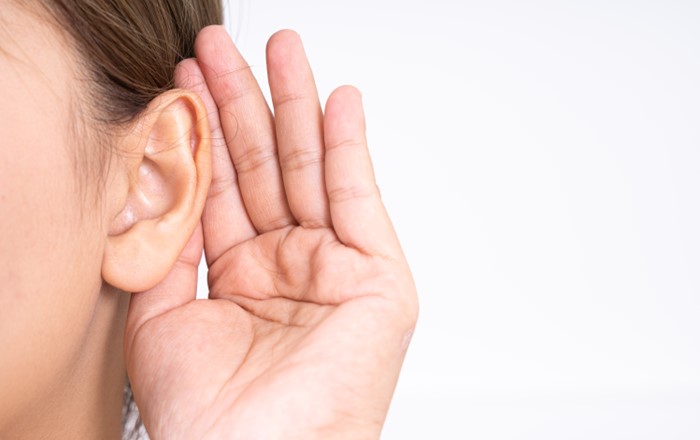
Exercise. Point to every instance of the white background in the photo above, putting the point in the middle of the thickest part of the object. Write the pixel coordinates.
(541, 162)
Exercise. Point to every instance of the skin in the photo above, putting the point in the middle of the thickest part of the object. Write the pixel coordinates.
(57, 322)
(68, 253)
(311, 302)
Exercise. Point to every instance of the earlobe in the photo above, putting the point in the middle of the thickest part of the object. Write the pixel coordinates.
(168, 170)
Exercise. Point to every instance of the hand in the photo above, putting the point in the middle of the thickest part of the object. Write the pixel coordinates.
(311, 303)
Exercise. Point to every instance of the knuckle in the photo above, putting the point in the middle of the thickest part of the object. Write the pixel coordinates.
(300, 158)
(220, 184)
(312, 223)
(276, 222)
(351, 192)
(289, 98)
(235, 87)
(401, 291)
(254, 158)
(346, 143)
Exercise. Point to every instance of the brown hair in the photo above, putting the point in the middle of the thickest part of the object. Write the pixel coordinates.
(131, 47)
(128, 50)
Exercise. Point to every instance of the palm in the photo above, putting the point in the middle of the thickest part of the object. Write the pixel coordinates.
(293, 339)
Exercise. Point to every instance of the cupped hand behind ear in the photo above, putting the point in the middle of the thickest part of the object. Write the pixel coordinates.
(311, 303)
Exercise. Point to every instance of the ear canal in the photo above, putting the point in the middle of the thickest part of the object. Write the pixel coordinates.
(169, 180)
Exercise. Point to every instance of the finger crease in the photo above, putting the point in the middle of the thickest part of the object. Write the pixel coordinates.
(289, 98)
(301, 158)
(344, 194)
(254, 159)
(348, 143)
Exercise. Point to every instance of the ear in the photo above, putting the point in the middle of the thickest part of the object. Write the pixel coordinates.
(165, 179)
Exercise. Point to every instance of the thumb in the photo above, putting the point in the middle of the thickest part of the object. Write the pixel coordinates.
(178, 288)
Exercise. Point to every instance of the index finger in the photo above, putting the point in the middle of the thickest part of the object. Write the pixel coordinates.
(225, 221)
(248, 126)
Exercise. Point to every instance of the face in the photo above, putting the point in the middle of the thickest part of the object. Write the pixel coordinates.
(50, 246)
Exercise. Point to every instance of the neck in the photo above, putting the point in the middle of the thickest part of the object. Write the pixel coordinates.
(88, 402)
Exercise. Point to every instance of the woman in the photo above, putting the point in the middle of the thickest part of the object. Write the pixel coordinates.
(120, 167)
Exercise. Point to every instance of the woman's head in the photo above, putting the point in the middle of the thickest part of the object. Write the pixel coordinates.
(103, 174)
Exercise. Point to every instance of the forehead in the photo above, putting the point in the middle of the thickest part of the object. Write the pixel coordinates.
(37, 84)
(28, 32)
(37, 67)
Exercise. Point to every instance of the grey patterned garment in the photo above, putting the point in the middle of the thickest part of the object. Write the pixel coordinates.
(133, 427)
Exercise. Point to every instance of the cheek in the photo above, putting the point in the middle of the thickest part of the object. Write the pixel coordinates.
(50, 255)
